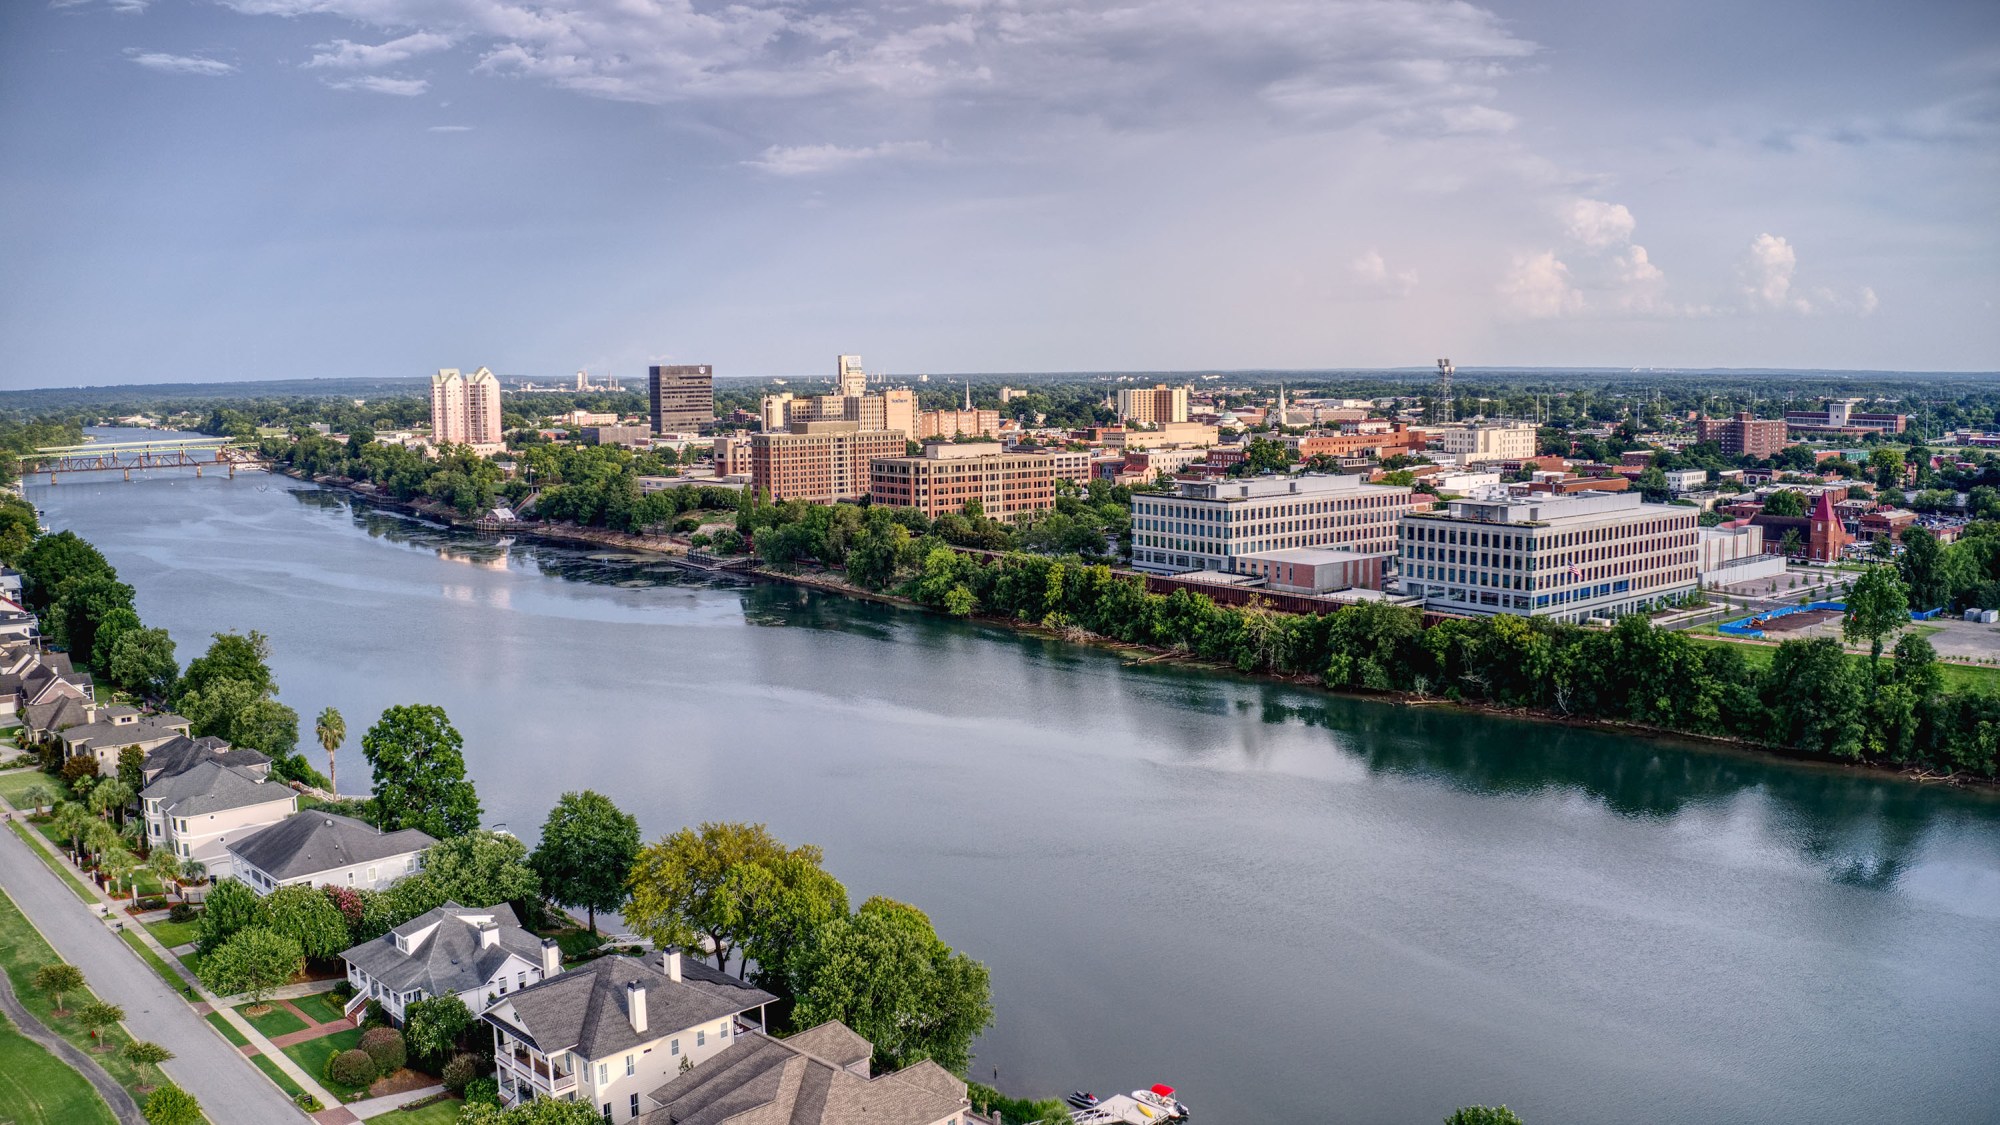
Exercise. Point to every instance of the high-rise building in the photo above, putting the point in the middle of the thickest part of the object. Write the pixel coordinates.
(952, 423)
(1743, 435)
(1209, 525)
(819, 462)
(890, 410)
(1154, 405)
(1589, 554)
(899, 412)
(851, 379)
(465, 409)
(683, 396)
(947, 475)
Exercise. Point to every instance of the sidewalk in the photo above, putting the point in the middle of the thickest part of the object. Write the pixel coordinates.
(376, 1107)
(68, 940)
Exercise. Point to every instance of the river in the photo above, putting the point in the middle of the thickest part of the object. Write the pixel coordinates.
(1293, 906)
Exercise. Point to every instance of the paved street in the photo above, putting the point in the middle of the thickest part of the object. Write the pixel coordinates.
(231, 1089)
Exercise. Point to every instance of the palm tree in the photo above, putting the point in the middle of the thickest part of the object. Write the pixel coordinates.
(117, 864)
(193, 874)
(331, 730)
(100, 839)
(38, 795)
(163, 865)
(111, 795)
(72, 820)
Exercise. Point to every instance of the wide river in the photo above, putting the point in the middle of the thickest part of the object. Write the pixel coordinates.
(1294, 906)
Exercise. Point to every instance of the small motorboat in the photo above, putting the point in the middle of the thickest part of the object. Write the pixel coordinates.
(1161, 1096)
(1082, 1099)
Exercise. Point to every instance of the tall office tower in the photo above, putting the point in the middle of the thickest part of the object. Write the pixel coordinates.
(683, 396)
(853, 381)
(1154, 405)
(900, 412)
(465, 409)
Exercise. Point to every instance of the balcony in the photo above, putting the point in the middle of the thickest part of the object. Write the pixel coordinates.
(535, 1070)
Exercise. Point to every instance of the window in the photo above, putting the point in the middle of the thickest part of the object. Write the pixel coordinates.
(722, 1031)
(635, 1105)
(631, 1065)
(701, 1037)
(371, 874)
(607, 1113)
(603, 1076)
(674, 1047)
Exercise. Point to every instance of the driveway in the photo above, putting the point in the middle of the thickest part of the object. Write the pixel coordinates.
(229, 1086)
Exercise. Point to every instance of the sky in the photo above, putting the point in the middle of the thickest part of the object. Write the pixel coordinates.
(257, 189)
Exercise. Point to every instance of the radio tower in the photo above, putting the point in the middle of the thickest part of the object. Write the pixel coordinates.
(1444, 385)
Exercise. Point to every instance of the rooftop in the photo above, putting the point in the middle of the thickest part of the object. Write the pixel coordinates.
(584, 1010)
(210, 786)
(440, 950)
(812, 1078)
(307, 843)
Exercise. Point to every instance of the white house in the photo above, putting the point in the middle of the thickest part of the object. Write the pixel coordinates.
(196, 812)
(476, 954)
(319, 848)
(819, 1076)
(610, 1031)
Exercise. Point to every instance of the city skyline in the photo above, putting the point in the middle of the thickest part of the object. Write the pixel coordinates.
(335, 188)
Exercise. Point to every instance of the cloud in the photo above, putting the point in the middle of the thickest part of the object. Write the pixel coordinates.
(1538, 286)
(179, 64)
(1597, 225)
(382, 84)
(812, 160)
(449, 129)
(345, 54)
(1767, 272)
(125, 7)
(1374, 274)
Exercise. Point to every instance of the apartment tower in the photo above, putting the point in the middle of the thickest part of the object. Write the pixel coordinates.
(465, 409)
(683, 396)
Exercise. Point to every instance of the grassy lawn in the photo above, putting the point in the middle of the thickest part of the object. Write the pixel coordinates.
(319, 1006)
(146, 954)
(312, 1054)
(22, 951)
(14, 785)
(171, 934)
(227, 1029)
(36, 1088)
(61, 869)
(278, 1021)
(283, 1080)
(437, 1113)
(1956, 677)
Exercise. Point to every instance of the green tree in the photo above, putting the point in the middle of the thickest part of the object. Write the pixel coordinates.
(132, 768)
(1816, 697)
(1483, 1115)
(38, 796)
(476, 868)
(54, 560)
(163, 866)
(95, 1016)
(142, 661)
(784, 903)
(541, 1111)
(419, 764)
(586, 851)
(1785, 502)
(883, 972)
(308, 917)
(1924, 569)
(1877, 608)
(171, 1105)
(254, 961)
(114, 624)
(431, 1027)
(145, 1055)
(1888, 466)
(56, 980)
(331, 730)
(232, 656)
(81, 604)
(683, 891)
(231, 906)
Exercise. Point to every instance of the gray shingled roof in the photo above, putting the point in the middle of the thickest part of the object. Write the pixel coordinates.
(449, 959)
(758, 1080)
(171, 757)
(307, 843)
(584, 1009)
(207, 787)
(155, 729)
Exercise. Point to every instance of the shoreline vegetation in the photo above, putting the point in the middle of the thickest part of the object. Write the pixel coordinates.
(1813, 702)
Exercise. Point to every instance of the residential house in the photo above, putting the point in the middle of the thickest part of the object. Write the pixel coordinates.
(173, 756)
(109, 730)
(608, 1032)
(317, 848)
(194, 812)
(816, 1077)
(476, 954)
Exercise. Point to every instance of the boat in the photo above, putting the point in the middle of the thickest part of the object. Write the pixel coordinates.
(1161, 1096)
(1154, 1106)
(1082, 1099)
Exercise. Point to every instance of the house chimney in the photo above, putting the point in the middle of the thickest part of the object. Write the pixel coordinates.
(635, 1005)
(551, 957)
(671, 962)
(489, 934)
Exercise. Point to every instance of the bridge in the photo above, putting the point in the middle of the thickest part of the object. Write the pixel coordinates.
(126, 456)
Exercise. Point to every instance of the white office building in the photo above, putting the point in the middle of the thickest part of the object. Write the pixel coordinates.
(1210, 525)
(1587, 554)
(1488, 441)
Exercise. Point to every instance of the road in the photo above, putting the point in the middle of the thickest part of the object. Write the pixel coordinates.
(230, 1088)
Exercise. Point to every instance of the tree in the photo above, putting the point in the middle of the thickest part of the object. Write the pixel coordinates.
(432, 1026)
(110, 797)
(308, 917)
(1791, 542)
(142, 661)
(540, 1111)
(56, 980)
(132, 768)
(54, 560)
(145, 1055)
(253, 962)
(1816, 696)
(39, 796)
(587, 849)
(71, 820)
(1888, 466)
(230, 908)
(683, 891)
(95, 1016)
(1483, 1115)
(784, 903)
(883, 972)
(115, 623)
(164, 866)
(81, 604)
(232, 656)
(171, 1105)
(117, 865)
(331, 730)
(419, 764)
(474, 869)
(1923, 569)
(1877, 608)
(1785, 502)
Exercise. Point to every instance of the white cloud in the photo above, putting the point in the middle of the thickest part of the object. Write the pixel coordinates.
(1597, 225)
(345, 54)
(179, 64)
(383, 84)
(811, 160)
(1374, 274)
(1767, 274)
(1538, 286)
(449, 129)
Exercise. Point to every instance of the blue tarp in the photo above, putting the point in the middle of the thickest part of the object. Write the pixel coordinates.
(1744, 628)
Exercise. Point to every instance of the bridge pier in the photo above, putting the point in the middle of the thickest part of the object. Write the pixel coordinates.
(128, 474)
(197, 472)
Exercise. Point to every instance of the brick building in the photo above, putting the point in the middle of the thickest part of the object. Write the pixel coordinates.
(947, 475)
(1744, 435)
(820, 462)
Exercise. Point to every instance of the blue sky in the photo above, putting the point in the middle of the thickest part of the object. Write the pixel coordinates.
(243, 189)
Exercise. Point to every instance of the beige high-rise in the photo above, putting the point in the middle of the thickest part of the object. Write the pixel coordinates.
(465, 409)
